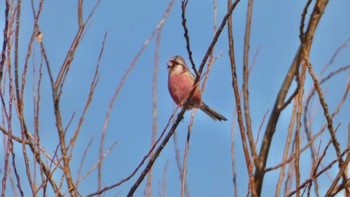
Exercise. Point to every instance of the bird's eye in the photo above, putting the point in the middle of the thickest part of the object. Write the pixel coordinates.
(170, 64)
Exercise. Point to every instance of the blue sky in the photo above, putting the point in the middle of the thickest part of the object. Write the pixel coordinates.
(275, 31)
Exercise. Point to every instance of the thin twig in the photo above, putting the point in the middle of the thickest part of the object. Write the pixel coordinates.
(286, 150)
(325, 108)
(5, 39)
(187, 38)
(185, 157)
(233, 163)
(82, 161)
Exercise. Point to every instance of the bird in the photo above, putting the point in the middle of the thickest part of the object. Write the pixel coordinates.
(180, 84)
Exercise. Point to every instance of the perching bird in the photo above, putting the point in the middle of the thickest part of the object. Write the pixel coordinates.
(180, 84)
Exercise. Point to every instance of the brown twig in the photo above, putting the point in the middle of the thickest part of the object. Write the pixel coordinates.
(178, 161)
(233, 163)
(325, 108)
(86, 150)
(187, 38)
(8, 146)
(185, 156)
(286, 151)
(260, 127)
(5, 39)
(302, 22)
(164, 179)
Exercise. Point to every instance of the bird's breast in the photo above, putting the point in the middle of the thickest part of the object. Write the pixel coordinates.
(180, 85)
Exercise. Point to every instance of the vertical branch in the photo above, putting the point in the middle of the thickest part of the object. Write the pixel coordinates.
(47, 63)
(178, 162)
(34, 147)
(234, 174)
(211, 57)
(8, 146)
(154, 97)
(187, 146)
(36, 103)
(164, 179)
(286, 150)
(249, 164)
(14, 165)
(248, 121)
(299, 102)
(5, 39)
(86, 150)
(291, 170)
(18, 19)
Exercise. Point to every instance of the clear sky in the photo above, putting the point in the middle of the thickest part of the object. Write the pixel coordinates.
(275, 34)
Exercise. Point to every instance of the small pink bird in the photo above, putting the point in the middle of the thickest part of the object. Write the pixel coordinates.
(180, 84)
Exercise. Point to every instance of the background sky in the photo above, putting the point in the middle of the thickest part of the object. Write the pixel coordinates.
(274, 34)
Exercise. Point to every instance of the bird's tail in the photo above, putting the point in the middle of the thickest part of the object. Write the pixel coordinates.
(212, 113)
